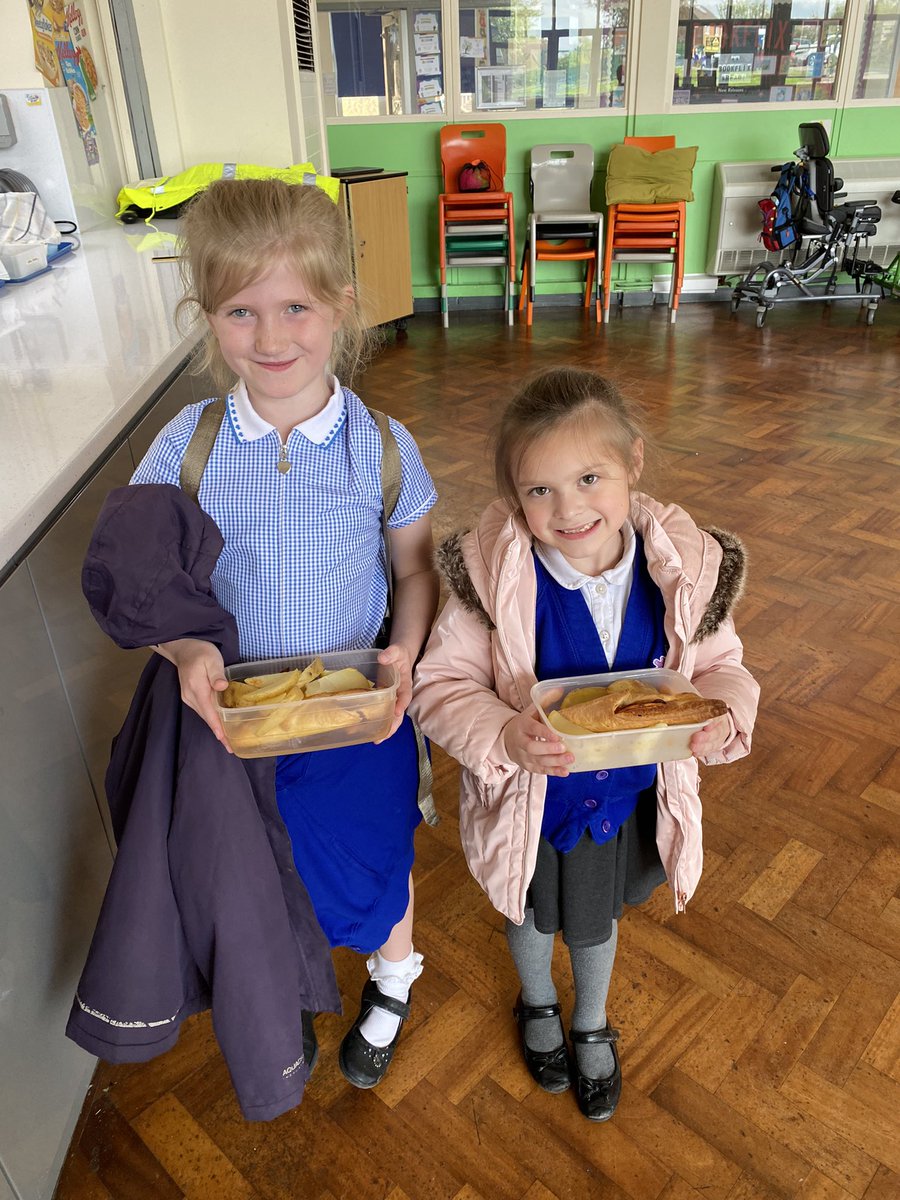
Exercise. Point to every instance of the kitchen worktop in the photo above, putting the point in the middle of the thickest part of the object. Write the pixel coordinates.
(84, 350)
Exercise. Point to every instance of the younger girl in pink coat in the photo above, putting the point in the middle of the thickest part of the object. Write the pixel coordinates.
(570, 573)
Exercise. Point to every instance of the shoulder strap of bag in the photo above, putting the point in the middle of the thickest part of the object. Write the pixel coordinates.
(199, 448)
(391, 479)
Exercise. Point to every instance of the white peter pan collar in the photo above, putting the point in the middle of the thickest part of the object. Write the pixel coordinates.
(320, 428)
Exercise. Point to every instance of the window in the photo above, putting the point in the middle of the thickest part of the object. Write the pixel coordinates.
(878, 77)
(381, 60)
(548, 54)
(748, 51)
(529, 55)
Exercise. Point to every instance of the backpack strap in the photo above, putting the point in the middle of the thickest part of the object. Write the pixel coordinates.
(199, 448)
(391, 479)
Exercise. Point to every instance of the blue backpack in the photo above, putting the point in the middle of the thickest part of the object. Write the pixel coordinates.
(779, 224)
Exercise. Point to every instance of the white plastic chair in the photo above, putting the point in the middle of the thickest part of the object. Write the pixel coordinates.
(562, 226)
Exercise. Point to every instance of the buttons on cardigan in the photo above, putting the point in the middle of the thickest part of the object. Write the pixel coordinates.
(590, 802)
(602, 775)
(605, 825)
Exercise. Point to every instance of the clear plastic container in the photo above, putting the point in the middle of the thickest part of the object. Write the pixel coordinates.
(319, 723)
(625, 747)
(22, 259)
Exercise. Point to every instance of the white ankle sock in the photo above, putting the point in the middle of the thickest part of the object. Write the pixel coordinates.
(392, 979)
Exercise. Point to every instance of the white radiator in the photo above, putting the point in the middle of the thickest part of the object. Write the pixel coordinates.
(736, 221)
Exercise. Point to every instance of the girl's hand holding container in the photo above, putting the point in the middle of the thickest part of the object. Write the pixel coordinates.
(531, 745)
(398, 656)
(201, 673)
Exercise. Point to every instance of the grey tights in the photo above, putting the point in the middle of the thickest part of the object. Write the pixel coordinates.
(532, 952)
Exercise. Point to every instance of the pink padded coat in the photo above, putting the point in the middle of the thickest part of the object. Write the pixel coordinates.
(478, 669)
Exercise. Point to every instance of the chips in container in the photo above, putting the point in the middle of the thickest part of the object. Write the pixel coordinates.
(281, 719)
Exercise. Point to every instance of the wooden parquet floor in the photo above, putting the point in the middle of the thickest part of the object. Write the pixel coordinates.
(761, 1029)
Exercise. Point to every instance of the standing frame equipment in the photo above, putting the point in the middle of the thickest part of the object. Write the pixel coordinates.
(825, 236)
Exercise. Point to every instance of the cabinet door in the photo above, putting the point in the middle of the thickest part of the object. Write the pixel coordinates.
(379, 229)
(54, 863)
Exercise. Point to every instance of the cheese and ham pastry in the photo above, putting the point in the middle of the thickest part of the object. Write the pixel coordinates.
(630, 704)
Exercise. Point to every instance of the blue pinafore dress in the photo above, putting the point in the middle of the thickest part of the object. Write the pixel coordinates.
(598, 835)
(351, 814)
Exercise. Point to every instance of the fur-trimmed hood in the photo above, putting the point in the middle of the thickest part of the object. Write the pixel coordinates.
(729, 587)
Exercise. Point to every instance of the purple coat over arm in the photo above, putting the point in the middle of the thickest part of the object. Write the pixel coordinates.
(204, 907)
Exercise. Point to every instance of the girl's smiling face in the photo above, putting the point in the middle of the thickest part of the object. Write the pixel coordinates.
(278, 338)
(575, 494)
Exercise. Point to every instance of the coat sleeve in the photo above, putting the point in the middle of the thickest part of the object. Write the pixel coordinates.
(719, 673)
(454, 698)
(146, 575)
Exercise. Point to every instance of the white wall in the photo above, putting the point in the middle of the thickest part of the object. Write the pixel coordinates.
(223, 83)
(17, 69)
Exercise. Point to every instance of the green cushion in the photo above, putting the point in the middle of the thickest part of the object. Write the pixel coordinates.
(635, 176)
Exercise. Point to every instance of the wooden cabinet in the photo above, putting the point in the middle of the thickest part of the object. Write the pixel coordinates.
(379, 238)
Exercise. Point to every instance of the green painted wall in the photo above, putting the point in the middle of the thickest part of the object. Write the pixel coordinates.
(721, 137)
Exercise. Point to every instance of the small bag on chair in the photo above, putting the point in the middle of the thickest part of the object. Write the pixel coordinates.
(474, 177)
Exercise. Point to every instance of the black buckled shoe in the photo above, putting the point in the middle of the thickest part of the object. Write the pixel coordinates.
(597, 1098)
(310, 1041)
(550, 1068)
(361, 1063)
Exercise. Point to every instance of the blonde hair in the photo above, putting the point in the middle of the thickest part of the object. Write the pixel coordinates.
(563, 398)
(237, 230)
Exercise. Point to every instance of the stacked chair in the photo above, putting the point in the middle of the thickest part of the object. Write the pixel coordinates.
(645, 233)
(476, 229)
(562, 226)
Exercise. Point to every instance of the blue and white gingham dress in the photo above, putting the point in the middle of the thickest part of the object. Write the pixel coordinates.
(303, 572)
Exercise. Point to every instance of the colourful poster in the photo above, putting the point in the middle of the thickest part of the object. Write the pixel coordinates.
(78, 29)
(43, 33)
(78, 94)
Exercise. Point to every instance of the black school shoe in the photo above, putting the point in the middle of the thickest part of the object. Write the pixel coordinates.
(310, 1041)
(550, 1068)
(361, 1063)
(597, 1098)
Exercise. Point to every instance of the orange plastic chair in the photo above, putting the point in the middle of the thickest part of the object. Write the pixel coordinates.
(646, 233)
(475, 228)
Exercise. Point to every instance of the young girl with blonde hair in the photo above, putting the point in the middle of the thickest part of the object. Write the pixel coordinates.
(572, 572)
(293, 482)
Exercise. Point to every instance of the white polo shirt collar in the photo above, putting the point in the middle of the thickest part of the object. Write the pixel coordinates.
(320, 429)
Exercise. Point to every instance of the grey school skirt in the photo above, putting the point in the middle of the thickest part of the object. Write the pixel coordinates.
(582, 892)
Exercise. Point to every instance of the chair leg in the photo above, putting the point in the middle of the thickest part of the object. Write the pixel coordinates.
(588, 284)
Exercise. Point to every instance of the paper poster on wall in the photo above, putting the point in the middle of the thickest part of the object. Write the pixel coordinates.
(78, 95)
(77, 26)
(427, 43)
(429, 89)
(42, 33)
(428, 64)
(779, 95)
(470, 47)
(425, 23)
(766, 64)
